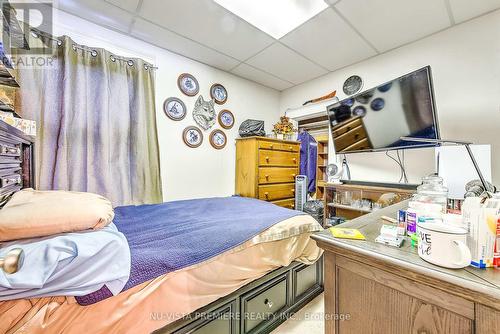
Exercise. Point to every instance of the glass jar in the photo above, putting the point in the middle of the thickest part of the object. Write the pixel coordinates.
(433, 191)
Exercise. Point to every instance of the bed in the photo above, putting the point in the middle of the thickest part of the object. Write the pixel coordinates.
(243, 287)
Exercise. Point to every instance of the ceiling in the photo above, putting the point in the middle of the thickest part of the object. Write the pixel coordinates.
(345, 33)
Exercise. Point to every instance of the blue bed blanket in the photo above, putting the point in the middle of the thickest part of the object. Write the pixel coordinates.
(174, 235)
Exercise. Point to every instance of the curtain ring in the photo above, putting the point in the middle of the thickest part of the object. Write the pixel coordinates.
(34, 34)
(113, 58)
(59, 42)
(130, 62)
(74, 47)
(93, 53)
(146, 67)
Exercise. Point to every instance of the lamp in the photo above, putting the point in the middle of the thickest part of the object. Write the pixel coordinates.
(13, 261)
(454, 142)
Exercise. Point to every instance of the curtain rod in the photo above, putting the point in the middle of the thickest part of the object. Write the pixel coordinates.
(93, 52)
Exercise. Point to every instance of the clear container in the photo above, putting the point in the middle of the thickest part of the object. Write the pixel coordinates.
(432, 190)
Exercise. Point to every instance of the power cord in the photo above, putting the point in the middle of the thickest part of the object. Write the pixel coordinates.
(397, 160)
(346, 164)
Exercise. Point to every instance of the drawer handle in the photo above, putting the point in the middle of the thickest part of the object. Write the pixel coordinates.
(9, 150)
(293, 190)
(294, 159)
(266, 194)
(267, 159)
(271, 146)
(290, 147)
(356, 136)
(7, 181)
(268, 303)
(267, 177)
(293, 175)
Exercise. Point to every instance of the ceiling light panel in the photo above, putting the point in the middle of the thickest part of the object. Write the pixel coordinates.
(276, 17)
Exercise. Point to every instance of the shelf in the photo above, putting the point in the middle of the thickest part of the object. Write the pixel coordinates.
(323, 153)
(348, 207)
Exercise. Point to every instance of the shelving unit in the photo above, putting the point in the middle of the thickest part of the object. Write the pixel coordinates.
(339, 197)
(322, 163)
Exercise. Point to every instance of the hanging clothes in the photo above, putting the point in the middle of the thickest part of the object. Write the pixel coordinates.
(308, 159)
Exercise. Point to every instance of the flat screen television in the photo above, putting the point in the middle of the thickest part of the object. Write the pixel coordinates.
(375, 119)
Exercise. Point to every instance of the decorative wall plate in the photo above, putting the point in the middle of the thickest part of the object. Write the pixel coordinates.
(192, 136)
(218, 93)
(359, 111)
(204, 113)
(188, 84)
(174, 108)
(348, 102)
(226, 119)
(384, 88)
(352, 85)
(218, 139)
(365, 97)
(377, 104)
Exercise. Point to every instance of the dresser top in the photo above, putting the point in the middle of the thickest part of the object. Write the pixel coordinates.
(269, 139)
(474, 282)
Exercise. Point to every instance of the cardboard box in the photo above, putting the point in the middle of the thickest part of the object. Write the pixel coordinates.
(25, 125)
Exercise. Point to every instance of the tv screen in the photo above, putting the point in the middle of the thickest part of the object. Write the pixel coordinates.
(375, 119)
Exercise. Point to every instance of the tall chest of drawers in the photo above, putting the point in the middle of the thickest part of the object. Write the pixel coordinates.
(16, 161)
(266, 169)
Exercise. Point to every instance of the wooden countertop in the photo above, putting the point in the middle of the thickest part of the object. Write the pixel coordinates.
(470, 282)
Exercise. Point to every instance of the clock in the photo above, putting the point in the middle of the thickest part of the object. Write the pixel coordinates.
(352, 85)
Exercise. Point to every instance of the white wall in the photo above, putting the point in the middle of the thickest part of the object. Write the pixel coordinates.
(465, 63)
(186, 172)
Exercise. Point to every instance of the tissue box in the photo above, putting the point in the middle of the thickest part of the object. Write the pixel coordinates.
(482, 223)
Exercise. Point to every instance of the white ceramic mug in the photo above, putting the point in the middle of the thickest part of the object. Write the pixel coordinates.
(443, 245)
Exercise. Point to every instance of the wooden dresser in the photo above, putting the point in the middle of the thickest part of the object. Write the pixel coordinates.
(266, 169)
(374, 288)
(351, 135)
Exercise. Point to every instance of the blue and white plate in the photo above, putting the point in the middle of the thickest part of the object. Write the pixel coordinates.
(218, 139)
(192, 136)
(377, 104)
(359, 111)
(218, 93)
(188, 84)
(384, 88)
(226, 119)
(174, 108)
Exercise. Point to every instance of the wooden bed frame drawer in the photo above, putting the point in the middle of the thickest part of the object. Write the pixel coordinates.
(269, 145)
(275, 192)
(264, 302)
(269, 175)
(278, 158)
(220, 320)
(307, 280)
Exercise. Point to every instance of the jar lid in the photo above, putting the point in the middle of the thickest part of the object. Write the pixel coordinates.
(441, 227)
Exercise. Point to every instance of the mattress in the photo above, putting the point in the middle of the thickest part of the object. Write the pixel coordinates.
(172, 295)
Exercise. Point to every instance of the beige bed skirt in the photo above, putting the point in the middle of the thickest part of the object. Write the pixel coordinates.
(172, 295)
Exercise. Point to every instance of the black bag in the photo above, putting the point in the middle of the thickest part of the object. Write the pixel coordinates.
(252, 127)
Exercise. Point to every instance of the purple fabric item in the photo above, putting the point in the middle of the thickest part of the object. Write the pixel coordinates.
(308, 159)
(174, 235)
